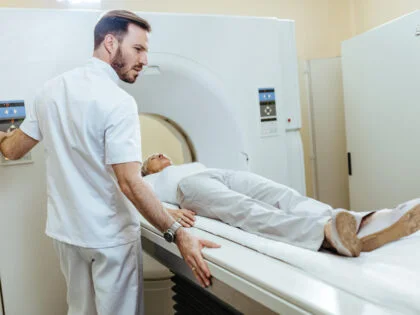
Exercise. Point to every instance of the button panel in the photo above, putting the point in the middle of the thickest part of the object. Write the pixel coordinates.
(267, 97)
(268, 112)
(12, 110)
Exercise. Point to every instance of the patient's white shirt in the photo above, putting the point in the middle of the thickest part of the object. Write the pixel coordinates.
(165, 183)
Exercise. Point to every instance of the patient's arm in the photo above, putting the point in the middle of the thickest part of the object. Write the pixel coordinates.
(184, 216)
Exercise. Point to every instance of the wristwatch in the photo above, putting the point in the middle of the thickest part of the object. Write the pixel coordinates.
(169, 234)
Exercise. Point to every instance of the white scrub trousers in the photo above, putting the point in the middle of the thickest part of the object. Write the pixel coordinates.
(102, 281)
(257, 205)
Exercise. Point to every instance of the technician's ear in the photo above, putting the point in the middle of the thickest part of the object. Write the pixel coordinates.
(111, 44)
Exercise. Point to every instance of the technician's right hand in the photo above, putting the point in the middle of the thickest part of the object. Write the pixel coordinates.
(190, 247)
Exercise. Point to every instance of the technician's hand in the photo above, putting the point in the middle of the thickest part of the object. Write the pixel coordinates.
(184, 216)
(190, 247)
(2, 135)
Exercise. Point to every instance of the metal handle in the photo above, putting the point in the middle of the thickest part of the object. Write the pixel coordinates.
(246, 156)
(349, 163)
(2, 300)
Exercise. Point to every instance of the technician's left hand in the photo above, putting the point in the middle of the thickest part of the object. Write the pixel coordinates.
(190, 247)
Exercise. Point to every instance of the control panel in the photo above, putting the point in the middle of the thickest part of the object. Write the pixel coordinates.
(12, 114)
(268, 112)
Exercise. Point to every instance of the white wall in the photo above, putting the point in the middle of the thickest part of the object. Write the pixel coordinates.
(367, 14)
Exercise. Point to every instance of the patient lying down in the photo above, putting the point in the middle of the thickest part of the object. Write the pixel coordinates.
(275, 211)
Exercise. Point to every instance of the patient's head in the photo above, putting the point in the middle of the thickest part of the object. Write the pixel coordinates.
(155, 163)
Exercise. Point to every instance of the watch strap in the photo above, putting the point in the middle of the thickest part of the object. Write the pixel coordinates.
(174, 227)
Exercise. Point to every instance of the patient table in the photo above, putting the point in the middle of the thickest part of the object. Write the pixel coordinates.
(279, 278)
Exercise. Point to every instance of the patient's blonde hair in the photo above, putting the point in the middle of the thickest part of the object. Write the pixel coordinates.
(145, 166)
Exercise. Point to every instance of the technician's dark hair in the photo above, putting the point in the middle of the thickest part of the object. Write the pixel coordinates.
(116, 23)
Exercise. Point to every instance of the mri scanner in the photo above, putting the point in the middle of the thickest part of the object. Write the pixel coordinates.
(230, 86)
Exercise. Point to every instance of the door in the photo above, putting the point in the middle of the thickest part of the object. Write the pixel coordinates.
(381, 72)
(328, 131)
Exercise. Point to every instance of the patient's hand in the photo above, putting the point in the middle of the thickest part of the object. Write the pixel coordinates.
(184, 216)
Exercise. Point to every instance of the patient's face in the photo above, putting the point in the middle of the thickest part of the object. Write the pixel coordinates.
(158, 162)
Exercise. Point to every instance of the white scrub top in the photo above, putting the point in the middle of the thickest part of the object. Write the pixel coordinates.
(87, 123)
(165, 183)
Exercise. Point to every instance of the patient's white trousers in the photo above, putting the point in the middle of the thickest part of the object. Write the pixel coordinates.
(102, 281)
(257, 205)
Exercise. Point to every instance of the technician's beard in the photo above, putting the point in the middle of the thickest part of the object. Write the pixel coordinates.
(118, 63)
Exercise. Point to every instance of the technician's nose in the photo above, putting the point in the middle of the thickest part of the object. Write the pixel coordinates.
(144, 59)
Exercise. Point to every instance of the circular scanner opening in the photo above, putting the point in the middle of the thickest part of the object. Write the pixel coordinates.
(161, 135)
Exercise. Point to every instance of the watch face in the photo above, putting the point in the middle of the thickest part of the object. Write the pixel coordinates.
(168, 236)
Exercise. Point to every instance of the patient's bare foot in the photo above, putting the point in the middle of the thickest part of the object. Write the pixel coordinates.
(342, 237)
(386, 226)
